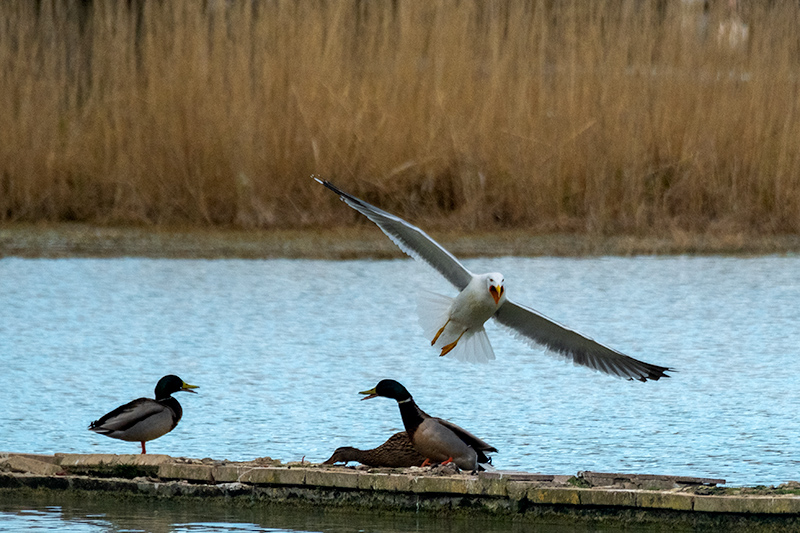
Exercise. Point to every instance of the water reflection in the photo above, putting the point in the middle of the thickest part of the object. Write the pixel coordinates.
(103, 515)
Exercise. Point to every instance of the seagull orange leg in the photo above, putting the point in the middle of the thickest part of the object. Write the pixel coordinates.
(446, 348)
(441, 330)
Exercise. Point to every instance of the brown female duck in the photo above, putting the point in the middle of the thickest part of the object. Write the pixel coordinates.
(397, 452)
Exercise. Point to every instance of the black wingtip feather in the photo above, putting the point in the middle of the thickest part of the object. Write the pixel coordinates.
(654, 373)
(334, 188)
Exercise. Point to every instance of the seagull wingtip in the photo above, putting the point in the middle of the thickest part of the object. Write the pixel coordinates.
(653, 376)
(331, 186)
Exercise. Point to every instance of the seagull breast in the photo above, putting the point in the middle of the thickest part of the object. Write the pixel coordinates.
(476, 303)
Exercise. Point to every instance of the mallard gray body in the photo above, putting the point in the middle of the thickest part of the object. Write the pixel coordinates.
(144, 419)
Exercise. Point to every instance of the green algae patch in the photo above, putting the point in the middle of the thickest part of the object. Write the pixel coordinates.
(608, 498)
(109, 465)
(556, 496)
(665, 500)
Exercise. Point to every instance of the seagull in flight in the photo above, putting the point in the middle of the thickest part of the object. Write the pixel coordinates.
(456, 325)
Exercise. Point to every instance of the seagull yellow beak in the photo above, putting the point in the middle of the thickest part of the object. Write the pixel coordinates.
(371, 392)
(496, 291)
(188, 388)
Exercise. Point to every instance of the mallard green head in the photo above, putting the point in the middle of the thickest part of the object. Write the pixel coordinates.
(388, 388)
(169, 384)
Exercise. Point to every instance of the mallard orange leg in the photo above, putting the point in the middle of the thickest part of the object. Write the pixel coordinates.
(143, 450)
(425, 463)
(450, 460)
(441, 330)
(447, 347)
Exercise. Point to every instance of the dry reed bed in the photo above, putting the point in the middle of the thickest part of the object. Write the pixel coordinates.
(603, 116)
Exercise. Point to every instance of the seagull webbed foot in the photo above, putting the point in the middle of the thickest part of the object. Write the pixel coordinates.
(448, 347)
(441, 330)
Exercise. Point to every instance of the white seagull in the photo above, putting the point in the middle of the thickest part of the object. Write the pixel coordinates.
(456, 324)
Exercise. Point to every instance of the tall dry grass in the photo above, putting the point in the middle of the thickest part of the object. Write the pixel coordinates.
(602, 116)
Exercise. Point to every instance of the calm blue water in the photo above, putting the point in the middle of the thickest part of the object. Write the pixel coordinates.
(280, 349)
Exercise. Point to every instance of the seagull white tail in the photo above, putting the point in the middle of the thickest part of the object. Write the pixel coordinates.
(434, 310)
(474, 347)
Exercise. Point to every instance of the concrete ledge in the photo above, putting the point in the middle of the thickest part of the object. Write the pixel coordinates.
(28, 464)
(644, 481)
(342, 480)
(92, 460)
(748, 504)
(665, 500)
(554, 496)
(274, 476)
(512, 495)
(186, 472)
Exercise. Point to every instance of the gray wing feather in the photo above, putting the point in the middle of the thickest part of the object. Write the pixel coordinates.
(127, 415)
(538, 329)
(467, 437)
(409, 238)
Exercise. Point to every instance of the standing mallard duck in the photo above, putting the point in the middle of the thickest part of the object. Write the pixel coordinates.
(397, 452)
(436, 439)
(145, 419)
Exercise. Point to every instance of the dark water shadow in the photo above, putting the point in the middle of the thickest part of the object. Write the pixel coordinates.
(108, 514)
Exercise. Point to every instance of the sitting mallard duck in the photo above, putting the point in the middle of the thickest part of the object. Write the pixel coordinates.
(436, 439)
(397, 452)
(145, 419)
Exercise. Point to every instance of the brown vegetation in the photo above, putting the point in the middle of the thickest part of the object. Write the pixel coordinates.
(618, 116)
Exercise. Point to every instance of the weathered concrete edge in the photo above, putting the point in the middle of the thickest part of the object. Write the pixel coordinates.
(164, 476)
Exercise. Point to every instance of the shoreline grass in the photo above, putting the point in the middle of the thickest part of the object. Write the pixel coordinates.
(602, 118)
(70, 240)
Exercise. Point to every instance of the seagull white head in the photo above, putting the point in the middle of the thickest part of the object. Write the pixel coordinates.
(494, 284)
